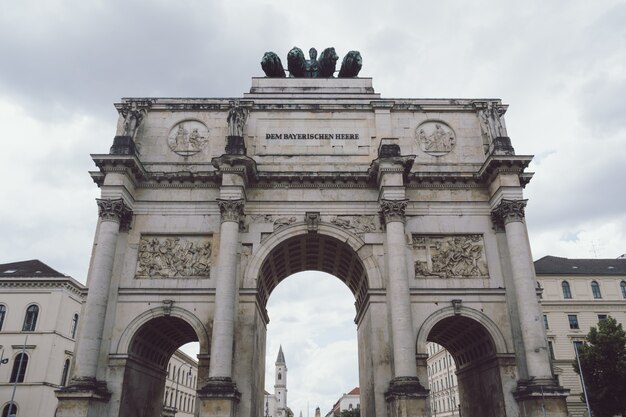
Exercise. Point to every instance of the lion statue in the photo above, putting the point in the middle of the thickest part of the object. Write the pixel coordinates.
(296, 63)
(272, 66)
(327, 63)
(351, 65)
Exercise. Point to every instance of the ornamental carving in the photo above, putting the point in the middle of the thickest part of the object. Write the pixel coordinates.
(174, 257)
(458, 256)
(508, 211)
(277, 222)
(114, 210)
(188, 137)
(356, 224)
(435, 138)
(490, 117)
(237, 116)
(134, 113)
(393, 210)
(231, 210)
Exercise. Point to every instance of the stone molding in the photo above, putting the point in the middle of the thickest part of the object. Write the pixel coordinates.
(231, 210)
(508, 211)
(114, 210)
(82, 292)
(393, 210)
(85, 387)
(220, 387)
(405, 386)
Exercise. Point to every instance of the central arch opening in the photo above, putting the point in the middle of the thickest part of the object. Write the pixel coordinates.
(312, 316)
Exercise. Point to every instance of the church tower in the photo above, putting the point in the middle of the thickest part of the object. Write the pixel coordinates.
(280, 384)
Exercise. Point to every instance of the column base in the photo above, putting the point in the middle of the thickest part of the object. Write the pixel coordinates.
(539, 397)
(218, 398)
(83, 397)
(406, 397)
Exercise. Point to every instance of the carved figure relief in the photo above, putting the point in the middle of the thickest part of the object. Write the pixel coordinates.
(174, 257)
(188, 137)
(357, 224)
(457, 256)
(490, 117)
(278, 222)
(236, 119)
(435, 138)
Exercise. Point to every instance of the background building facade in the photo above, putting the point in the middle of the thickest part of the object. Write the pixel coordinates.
(349, 401)
(442, 382)
(39, 314)
(577, 294)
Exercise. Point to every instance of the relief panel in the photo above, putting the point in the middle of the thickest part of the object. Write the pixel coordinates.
(451, 256)
(174, 257)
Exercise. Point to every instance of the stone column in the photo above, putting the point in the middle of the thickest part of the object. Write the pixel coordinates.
(220, 396)
(113, 213)
(85, 394)
(539, 385)
(405, 396)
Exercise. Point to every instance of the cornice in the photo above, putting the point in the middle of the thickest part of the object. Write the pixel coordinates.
(129, 165)
(53, 283)
(495, 165)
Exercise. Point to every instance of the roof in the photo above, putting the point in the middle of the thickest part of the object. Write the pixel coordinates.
(564, 266)
(281, 358)
(27, 269)
(355, 391)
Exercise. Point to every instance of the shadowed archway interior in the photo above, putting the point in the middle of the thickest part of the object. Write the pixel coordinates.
(474, 353)
(313, 252)
(157, 340)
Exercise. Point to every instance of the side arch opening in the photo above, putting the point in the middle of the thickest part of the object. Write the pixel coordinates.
(472, 384)
(159, 379)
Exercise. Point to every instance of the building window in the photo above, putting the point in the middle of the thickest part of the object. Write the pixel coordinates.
(280, 376)
(577, 344)
(9, 410)
(567, 293)
(66, 371)
(601, 317)
(545, 321)
(573, 321)
(3, 313)
(30, 320)
(20, 363)
(623, 287)
(595, 289)
(74, 326)
(551, 349)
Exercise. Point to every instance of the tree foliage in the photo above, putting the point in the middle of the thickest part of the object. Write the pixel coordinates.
(603, 362)
(355, 412)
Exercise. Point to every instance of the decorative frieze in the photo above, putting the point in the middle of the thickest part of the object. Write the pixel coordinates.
(174, 257)
(393, 210)
(358, 225)
(508, 211)
(278, 221)
(114, 210)
(231, 210)
(453, 256)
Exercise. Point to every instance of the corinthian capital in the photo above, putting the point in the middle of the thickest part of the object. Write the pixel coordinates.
(114, 210)
(508, 211)
(231, 210)
(393, 210)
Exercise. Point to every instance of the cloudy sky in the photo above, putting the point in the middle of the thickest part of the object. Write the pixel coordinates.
(561, 65)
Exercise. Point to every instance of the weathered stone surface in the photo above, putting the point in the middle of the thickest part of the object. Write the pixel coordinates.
(389, 195)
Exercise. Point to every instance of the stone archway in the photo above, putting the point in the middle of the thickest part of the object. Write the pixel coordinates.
(336, 252)
(145, 365)
(479, 353)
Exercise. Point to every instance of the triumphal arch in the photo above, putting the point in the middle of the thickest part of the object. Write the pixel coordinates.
(415, 204)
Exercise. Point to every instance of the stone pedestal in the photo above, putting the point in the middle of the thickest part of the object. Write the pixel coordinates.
(87, 398)
(406, 397)
(541, 398)
(219, 398)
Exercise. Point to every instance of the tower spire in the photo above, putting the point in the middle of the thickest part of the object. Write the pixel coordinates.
(281, 357)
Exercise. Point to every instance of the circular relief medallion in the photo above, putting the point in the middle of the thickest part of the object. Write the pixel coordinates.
(435, 138)
(188, 137)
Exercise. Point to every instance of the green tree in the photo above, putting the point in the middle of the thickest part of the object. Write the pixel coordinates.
(355, 412)
(603, 362)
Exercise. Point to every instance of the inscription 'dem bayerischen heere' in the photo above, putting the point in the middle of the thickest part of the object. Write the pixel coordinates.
(318, 136)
